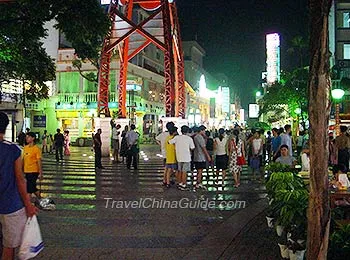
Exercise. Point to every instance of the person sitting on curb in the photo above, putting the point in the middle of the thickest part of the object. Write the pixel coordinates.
(285, 157)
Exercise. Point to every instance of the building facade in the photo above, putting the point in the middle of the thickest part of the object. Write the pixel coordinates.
(339, 45)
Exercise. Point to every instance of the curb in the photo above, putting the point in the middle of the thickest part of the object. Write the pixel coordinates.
(215, 245)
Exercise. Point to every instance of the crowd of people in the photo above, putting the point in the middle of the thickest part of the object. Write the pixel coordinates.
(125, 144)
(200, 149)
(60, 143)
(193, 149)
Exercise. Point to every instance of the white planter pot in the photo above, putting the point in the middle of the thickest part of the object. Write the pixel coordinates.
(269, 222)
(279, 230)
(300, 241)
(284, 251)
(298, 255)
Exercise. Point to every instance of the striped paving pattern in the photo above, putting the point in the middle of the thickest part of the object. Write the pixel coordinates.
(83, 228)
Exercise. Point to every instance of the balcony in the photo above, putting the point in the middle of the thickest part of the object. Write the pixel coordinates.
(83, 98)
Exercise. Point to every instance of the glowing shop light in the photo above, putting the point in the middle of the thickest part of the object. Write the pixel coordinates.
(297, 111)
(338, 93)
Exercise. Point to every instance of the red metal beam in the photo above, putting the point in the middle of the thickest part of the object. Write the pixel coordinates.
(103, 74)
(180, 64)
(137, 51)
(168, 62)
(123, 75)
(175, 95)
(139, 29)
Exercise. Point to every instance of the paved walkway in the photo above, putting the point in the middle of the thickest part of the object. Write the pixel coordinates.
(83, 228)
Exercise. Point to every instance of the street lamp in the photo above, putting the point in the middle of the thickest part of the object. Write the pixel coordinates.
(337, 95)
(258, 94)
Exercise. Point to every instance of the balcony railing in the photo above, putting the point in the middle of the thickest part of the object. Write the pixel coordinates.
(83, 98)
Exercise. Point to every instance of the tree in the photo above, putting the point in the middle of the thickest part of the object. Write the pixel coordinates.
(21, 31)
(319, 109)
(289, 95)
(299, 47)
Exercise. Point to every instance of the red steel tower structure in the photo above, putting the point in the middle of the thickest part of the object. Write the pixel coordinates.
(160, 28)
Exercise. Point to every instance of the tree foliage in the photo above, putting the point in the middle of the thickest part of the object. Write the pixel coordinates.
(289, 95)
(22, 55)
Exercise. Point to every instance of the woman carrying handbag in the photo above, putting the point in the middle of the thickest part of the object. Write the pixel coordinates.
(236, 156)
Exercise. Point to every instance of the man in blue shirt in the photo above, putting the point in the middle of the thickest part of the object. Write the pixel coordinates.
(15, 204)
(276, 143)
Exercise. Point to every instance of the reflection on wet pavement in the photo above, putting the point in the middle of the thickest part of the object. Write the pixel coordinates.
(82, 220)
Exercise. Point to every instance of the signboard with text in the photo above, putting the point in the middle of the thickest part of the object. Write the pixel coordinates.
(39, 121)
(253, 110)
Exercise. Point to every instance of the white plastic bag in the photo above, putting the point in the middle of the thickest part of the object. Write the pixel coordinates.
(32, 243)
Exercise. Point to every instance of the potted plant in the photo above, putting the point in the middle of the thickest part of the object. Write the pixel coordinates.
(296, 250)
(283, 245)
(340, 243)
(282, 181)
(277, 167)
(278, 184)
(293, 217)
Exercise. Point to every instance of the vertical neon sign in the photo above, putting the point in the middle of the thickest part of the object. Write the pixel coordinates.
(273, 57)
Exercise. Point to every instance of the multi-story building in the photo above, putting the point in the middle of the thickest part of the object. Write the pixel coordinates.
(73, 101)
(12, 104)
(211, 103)
(339, 44)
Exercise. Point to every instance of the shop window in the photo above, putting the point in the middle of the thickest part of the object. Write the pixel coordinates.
(346, 20)
(346, 49)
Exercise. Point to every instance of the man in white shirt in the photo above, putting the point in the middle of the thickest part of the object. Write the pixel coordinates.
(132, 139)
(183, 146)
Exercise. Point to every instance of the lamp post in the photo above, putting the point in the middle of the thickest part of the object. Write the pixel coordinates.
(337, 95)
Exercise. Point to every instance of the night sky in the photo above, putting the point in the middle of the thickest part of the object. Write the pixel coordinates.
(233, 34)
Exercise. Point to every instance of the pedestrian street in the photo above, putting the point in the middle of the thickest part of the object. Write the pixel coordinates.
(82, 227)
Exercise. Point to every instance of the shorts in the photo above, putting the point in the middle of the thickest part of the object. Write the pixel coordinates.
(200, 165)
(12, 228)
(184, 166)
(171, 166)
(31, 182)
(221, 162)
(115, 144)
